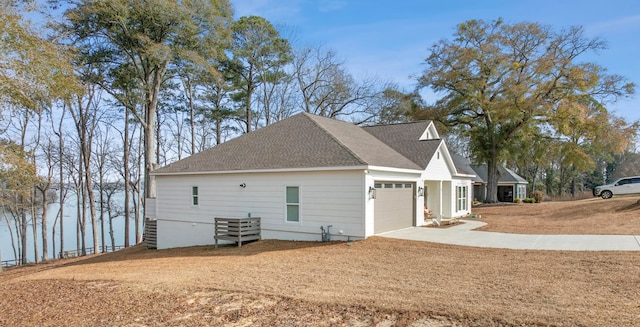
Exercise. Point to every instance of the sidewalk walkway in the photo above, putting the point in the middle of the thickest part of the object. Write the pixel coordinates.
(463, 234)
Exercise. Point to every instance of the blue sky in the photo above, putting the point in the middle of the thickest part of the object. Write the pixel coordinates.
(390, 39)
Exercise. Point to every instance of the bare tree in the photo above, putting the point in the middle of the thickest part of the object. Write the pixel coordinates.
(86, 116)
(103, 150)
(44, 187)
(327, 89)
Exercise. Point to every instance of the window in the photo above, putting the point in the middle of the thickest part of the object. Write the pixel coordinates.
(399, 185)
(377, 185)
(462, 198)
(194, 195)
(292, 199)
(388, 185)
(624, 182)
(408, 185)
(522, 191)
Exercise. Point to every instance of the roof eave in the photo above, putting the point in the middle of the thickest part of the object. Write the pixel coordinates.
(271, 170)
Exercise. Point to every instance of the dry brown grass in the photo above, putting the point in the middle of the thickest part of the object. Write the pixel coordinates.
(376, 282)
(619, 215)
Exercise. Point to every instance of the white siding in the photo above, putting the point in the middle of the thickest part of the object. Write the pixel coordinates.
(438, 169)
(326, 198)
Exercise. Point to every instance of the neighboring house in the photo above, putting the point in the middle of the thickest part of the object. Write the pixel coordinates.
(307, 172)
(511, 186)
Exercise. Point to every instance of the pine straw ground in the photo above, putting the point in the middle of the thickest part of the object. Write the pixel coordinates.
(376, 282)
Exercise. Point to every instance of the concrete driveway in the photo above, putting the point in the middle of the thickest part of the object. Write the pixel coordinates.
(463, 234)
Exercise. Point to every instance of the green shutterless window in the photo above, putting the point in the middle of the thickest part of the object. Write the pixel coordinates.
(293, 203)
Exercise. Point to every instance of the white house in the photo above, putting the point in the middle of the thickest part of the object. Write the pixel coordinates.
(308, 172)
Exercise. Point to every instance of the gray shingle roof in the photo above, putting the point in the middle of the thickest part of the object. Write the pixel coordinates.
(506, 175)
(463, 166)
(405, 138)
(301, 141)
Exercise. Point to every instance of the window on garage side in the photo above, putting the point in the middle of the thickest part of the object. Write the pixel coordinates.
(292, 199)
(194, 195)
(461, 198)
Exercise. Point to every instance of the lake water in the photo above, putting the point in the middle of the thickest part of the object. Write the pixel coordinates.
(70, 240)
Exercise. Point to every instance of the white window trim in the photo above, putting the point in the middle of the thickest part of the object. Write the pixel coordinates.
(196, 196)
(286, 204)
(462, 203)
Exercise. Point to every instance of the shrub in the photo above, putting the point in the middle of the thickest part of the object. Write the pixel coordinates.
(517, 200)
(538, 195)
(529, 200)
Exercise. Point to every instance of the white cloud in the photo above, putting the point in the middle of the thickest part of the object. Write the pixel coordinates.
(620, 25)
(331, 5)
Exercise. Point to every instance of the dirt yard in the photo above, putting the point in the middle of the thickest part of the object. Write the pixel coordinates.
(376, 282)
(619, 215)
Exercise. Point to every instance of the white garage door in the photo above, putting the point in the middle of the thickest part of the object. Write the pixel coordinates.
(393, 207)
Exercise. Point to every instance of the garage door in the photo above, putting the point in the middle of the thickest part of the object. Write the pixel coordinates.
(393, 207)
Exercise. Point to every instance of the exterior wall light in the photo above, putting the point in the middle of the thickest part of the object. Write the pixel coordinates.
(243, 185)
(372, 193)
(420, 191)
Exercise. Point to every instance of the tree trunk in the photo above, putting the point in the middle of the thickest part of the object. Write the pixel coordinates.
(137, 217)
(136, 204)
(45, 211)
(492, 180)
(533, 180)
(111, 234)
(149, 159)
(86, 154)
(110, 217)
(13, 241)
(53, 236)
(248, 99)
(17, 252)
(101, 188)
(62, 186)
(192, 115)
(125, 159)
(23, 236)
(34, 228)
(218, 130)
(82, 218)
(151, 105)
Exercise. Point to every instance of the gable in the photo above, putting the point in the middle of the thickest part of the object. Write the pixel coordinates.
(408, 140)
(416, 141)
(439, 168)
(430, 133)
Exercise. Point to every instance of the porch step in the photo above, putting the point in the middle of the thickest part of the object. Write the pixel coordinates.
(442, 222)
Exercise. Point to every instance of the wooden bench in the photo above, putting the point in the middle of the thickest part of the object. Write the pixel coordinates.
(237, 229)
